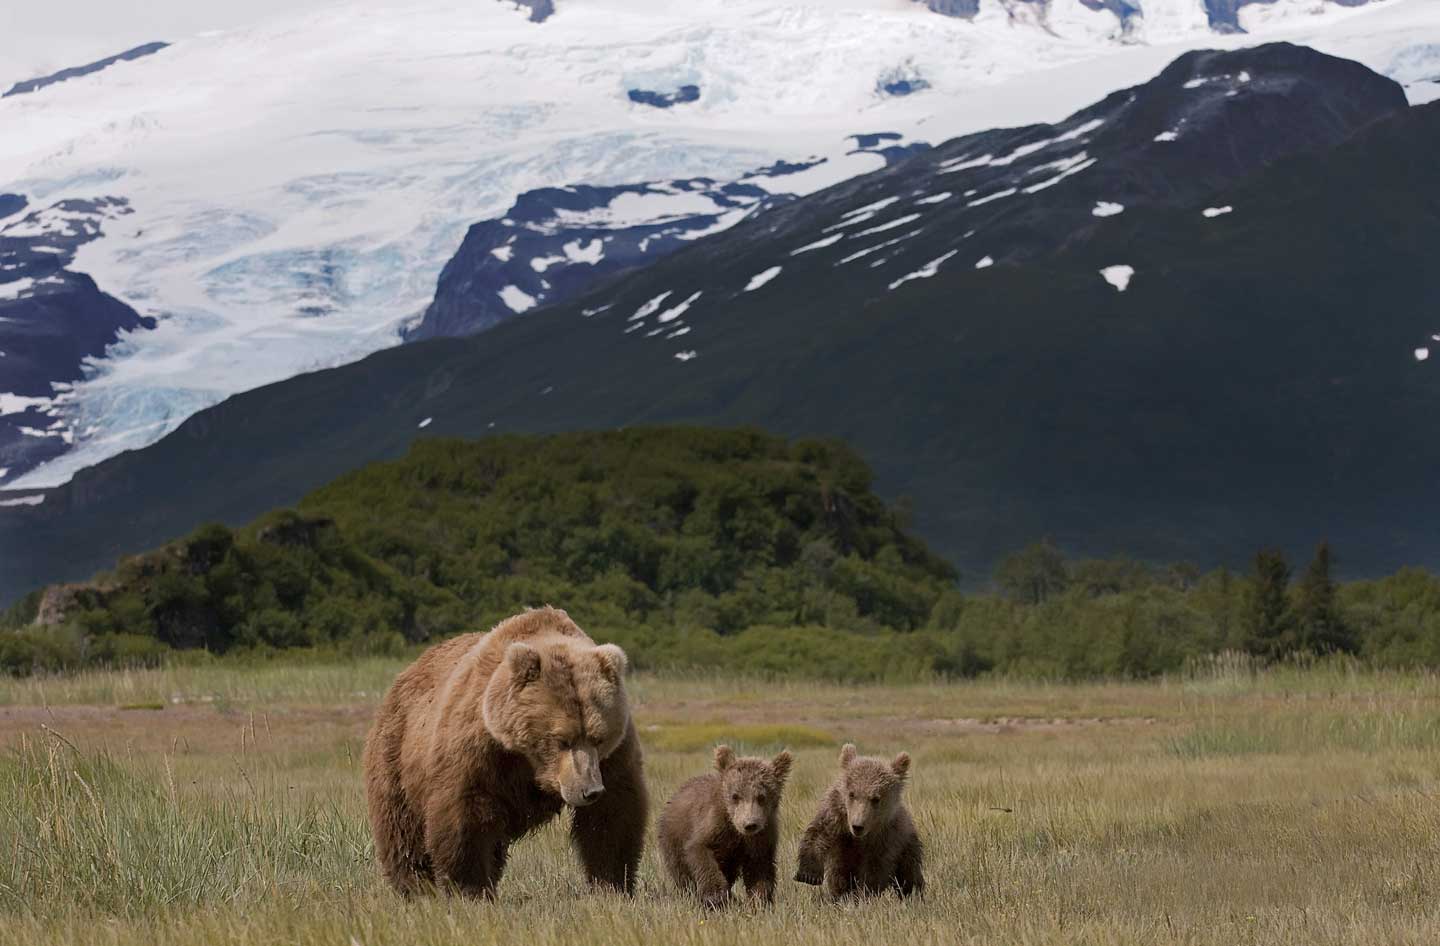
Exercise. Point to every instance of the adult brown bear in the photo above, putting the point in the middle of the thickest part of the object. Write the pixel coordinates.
(486, 737)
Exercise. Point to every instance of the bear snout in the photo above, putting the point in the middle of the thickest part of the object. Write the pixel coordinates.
(579, 796)
(857, 829)
(580, 780)
(750, 827)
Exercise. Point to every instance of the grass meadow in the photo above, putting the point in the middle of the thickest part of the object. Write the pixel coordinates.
(214, 804)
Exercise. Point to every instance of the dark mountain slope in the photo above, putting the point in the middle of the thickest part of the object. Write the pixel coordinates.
(35, 85)
(1255, 383)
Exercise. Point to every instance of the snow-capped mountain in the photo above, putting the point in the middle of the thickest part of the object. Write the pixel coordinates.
(300, 175)
(1193, 317)
(995, 196)
(558, 242)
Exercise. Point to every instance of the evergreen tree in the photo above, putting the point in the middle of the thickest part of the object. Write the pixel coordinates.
(1320, 626)
(1269, 621)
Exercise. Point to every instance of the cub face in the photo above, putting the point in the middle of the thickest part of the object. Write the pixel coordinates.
(750, 788)
(872, 789)
(562, 708)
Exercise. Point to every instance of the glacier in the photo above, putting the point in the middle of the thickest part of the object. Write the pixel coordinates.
(300, 172)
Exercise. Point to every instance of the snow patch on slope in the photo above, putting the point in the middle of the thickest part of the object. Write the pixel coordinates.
(651, 307)
(517, 299)
(33, 500)
(670, 315)
(924, 272)
(761, 278)
(1118, 276)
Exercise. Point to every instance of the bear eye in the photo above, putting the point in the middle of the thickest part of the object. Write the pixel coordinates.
(735, 796)
(852, 796)
(760, 799)
(874, 799)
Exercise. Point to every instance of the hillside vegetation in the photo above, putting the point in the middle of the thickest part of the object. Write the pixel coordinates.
(693, 548)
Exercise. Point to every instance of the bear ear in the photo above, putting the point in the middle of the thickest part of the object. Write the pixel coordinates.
(612, 660)
(901, 765)
(523, 662)
(724, 757)
(847, 754)
(780, 765)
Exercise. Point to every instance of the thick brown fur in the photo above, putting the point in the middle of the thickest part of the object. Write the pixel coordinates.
(722, 825)
(486, 737)
(863, 841)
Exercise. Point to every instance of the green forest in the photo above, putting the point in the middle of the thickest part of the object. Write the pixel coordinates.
(698, 549)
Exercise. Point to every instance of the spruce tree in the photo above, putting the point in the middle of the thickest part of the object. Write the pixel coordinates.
(1269, 621)
(1320, 627)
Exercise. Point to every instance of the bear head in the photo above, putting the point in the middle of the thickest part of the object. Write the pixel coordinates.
(561, 705)
(750, 788)
(871, 789)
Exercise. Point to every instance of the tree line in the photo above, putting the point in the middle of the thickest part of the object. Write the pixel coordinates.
(694, 548)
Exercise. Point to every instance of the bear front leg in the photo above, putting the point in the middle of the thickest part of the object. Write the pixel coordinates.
(609, 835)
(909, 870)
(463, 844)
(710, 884)
(758, 872)
(815, 849)
(839, 883)
(501, 857)
(810, 868)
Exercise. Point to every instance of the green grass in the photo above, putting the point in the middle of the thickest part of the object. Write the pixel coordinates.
(1282, 808)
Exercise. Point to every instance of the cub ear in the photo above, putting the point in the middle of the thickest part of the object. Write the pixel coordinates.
(724, 757)
(780, 765)
(612, 660)
(847, 754)
(523, 662)
(901, 765)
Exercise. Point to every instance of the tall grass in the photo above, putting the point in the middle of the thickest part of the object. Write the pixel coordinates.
(361, 680)
(85, 830)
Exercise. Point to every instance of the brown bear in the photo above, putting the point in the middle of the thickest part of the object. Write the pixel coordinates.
(486, 737)
(863, 841)
(722, 824)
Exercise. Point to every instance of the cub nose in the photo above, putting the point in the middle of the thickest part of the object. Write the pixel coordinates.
(857, 829)
(591, 794)
(751, 827)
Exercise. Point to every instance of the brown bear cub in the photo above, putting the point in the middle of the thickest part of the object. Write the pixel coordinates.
(863, 841)
(722, 825)
(488, 736)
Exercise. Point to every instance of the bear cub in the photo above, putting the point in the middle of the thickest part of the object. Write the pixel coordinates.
(863, 841)
(722, 825)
